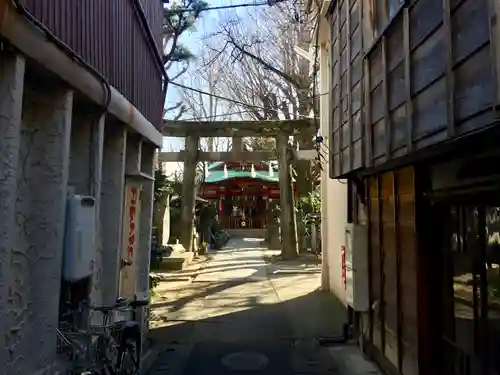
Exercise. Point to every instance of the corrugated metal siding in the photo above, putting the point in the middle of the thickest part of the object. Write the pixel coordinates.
(428, 78)
(109, 36)
(154, 14)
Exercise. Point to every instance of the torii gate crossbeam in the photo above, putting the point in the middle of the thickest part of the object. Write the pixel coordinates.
(281, 129)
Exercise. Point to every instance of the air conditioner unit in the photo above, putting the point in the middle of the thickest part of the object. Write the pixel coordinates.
(356, 267)
(79, 238)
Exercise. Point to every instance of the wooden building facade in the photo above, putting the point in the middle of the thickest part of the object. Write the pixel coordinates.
(414, 92)
(407, 76)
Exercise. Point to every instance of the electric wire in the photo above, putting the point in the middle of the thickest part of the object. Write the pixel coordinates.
(220, 7)
(139, 10)
(269, 3)
(318, 137)
(24, 12)
(205, 118)
(180, 85)
(190, 88)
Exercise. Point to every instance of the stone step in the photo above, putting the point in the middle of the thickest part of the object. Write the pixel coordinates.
(177, 249)
(176, 262)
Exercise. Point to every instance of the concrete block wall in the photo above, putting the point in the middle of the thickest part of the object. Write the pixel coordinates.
(40, 215)
(12, 69)
(52, 139)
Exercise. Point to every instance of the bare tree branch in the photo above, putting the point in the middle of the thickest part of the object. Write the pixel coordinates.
(261, 67)
(208, 107)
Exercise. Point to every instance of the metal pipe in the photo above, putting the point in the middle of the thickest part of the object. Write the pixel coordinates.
(33, 43)
(52, 37)
(107, 88)
(142, 17)
(347, 333)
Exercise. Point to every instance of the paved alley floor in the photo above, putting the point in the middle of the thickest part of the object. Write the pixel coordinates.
(238, 312)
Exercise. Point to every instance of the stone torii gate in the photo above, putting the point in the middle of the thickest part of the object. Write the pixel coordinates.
(191, 155)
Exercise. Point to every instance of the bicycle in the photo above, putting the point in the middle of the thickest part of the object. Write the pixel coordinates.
(108, 348)
(219, 239)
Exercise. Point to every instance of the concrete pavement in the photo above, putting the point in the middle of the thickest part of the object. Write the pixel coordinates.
(239, 312)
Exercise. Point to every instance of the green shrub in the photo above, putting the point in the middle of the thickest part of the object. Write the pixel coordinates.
(154, 281)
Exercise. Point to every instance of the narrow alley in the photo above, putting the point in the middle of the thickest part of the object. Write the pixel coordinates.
(240, 311)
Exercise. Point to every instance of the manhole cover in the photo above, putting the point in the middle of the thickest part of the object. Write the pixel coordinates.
(245, 361)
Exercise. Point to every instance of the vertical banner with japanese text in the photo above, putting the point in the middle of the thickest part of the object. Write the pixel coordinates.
(130, 238)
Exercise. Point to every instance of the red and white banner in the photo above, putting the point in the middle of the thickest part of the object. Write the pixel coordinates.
(130, 239)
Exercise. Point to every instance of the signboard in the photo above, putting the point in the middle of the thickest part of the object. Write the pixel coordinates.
(130, 238)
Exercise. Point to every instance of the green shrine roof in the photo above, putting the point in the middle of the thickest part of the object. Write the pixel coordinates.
(215, 176)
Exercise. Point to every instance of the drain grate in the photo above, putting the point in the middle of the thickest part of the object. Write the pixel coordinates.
(245, 361)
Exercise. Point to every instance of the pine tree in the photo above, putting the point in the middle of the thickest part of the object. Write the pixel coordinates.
(178, 18)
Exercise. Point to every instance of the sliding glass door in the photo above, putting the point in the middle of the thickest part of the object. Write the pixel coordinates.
(471, 286)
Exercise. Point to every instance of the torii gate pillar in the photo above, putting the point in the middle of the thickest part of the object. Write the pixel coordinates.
(288, 223)
(188, 191)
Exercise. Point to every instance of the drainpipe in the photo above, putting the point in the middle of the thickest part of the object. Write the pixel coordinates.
(23, 11)
(67, 49)
(139, 10)
(347, 332)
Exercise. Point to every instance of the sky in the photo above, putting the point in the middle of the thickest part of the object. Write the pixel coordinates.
(192, 39)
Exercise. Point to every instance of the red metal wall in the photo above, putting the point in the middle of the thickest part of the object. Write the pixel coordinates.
(154, 14)
(109, 36)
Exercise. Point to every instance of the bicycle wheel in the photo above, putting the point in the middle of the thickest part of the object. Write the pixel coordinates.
(128, 358)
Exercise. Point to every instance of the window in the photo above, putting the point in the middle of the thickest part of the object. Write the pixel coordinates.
(471, 290)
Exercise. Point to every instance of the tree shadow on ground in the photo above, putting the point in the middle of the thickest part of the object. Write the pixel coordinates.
(282, 269)
(272, 307)
(315, 314)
